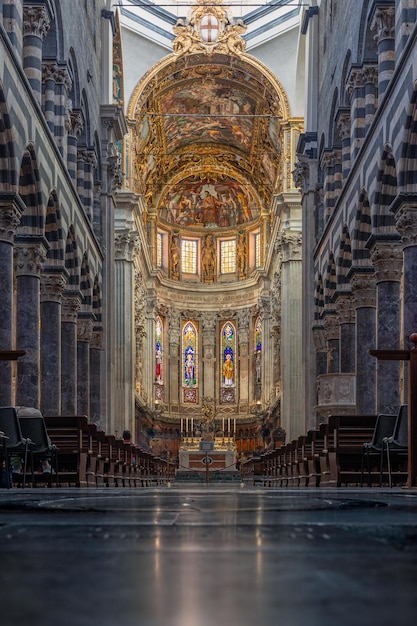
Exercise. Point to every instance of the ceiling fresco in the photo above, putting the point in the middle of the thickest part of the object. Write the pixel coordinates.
(206, 138)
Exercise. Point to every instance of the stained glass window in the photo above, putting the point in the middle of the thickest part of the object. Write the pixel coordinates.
(228, 256)
(190, 355)
(228, 342)
(189, 256)
(258, 349)
(159, 332)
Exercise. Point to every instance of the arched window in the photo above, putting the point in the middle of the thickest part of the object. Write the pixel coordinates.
(159, 351)
(190, 362)
(228, 346)
(258, 349)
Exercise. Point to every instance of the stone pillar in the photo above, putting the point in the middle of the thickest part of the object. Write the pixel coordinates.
(356, 88)
(344, 126)
(175, 380)
(331, 329)
(70, 306)
(125, 249)
(90, 164)
(346, 320)
(243, 333)
(29, 259)
(331, 164)
(291, 365)
(84, 334)
(370, 74)
(13, 23)
(387, 259)
(52, 287)
(95, 377)
(406, 17)
(62, 119)
(363, 288)
(36, 23)
(11, 208)
(49, 76)
(75, 125)
(383, 23)
(208, 362)
(81, 157)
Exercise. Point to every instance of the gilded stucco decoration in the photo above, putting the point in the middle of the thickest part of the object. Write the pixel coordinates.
(207, 132)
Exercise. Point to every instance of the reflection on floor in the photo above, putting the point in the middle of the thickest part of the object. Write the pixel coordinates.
(208, 555)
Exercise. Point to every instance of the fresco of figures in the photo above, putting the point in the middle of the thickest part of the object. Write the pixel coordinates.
(192, 121)
(211, 201)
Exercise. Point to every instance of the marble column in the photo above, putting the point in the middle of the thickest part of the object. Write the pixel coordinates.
(84, 334)
(74, 127)
(29, 259)
(11, 207)
(364, 300)
(175, 382)
(70, 306)
(344, 126)
(95, 376)
(387, 259)
(383, 23)
(49, 76)
(346, 320)
(370, 74)
(208, 360)
(356, 88)
(52, 286)
(36, 23)
(62, 120)
(332, 332)
(405, 211)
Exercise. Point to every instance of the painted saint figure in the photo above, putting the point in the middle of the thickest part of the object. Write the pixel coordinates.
(228, 371)
(208, 259)
(189, 376)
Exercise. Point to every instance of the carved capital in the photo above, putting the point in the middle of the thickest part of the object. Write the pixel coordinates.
(52, 287)
(75, 121)
(36, 20)
(344, 125)
(356, 80)
(331, 327)
(96, 340)
(387, 259)
(363, 288)
(71, 304)
(84, 329)
(406, 224)
(370, 73)
(319, 338)
(49, 71)
(125, 246)
(29, 259)
(301, 175)
(291, 245)
(345, 311)
(384, 23)
(10, 213)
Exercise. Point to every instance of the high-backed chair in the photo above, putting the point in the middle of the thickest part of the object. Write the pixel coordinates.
(33, 428)
(384, 428)
(397, 444)
(13, 443)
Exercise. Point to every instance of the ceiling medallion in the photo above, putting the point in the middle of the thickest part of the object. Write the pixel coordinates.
(210, 28)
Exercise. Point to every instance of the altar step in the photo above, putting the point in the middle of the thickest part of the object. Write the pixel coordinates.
(200, 477)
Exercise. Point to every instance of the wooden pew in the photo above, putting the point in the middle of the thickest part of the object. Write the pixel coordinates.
(346, 436)
(70, 436)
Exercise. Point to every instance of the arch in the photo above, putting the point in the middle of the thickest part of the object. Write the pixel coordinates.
(407, 166)
(386, 191)
(52, 42)
(344, 260)
(75, 81)
(8, 174)
(85, 139)
(335, 140)
(85, 283)
(71, 258)
(362, 231)
(33, 217)
(367, 44)
(53, 231)
(343, 79)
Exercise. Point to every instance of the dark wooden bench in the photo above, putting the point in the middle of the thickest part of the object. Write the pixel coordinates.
(70, 436)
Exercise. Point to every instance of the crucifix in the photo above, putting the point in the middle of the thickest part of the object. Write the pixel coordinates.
(411, 357)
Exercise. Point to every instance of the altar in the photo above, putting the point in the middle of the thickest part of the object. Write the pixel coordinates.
(197, 454)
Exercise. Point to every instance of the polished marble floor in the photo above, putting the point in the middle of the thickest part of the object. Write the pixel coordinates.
(208, 556)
